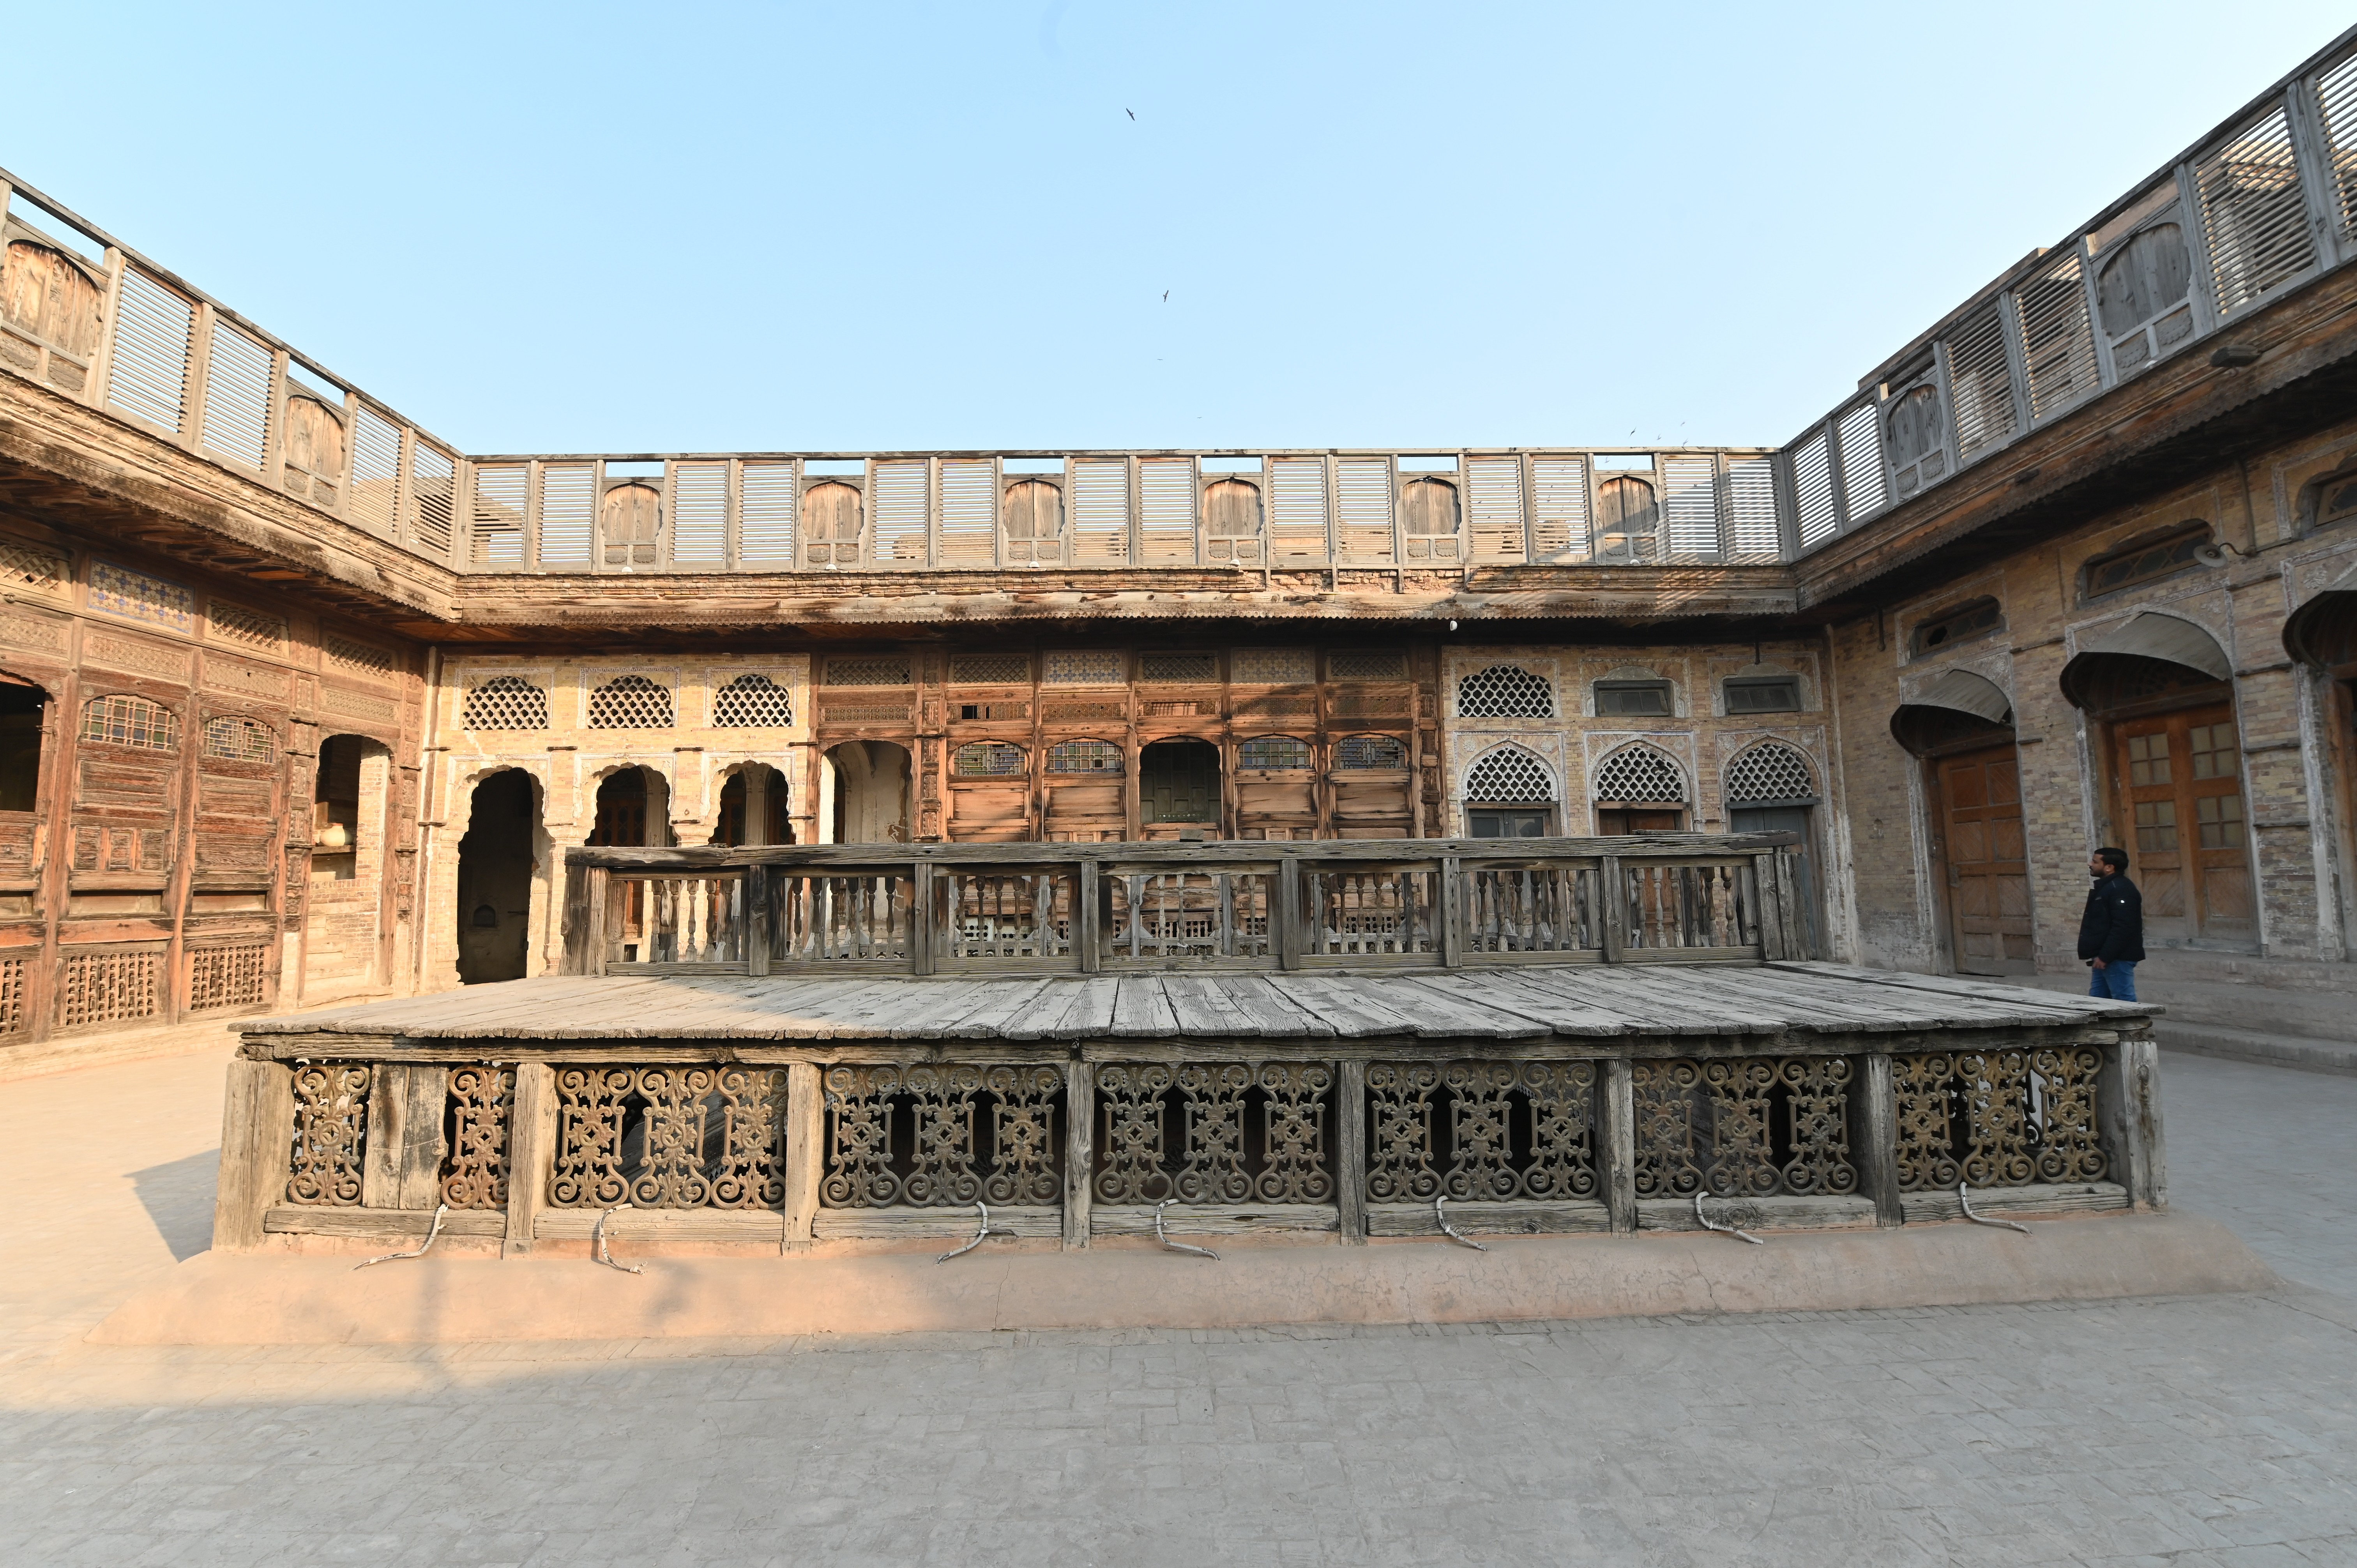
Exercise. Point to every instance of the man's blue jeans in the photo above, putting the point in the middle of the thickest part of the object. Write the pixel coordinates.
(2116, 979)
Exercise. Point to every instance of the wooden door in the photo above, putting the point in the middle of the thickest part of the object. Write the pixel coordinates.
(1986, 862)
(633, 522)
(2181, 798)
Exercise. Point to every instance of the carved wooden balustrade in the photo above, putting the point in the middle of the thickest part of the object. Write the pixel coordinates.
(1105, 908)
(792, 1146)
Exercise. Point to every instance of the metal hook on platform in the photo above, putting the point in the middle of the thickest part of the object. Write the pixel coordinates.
(599, 1251)
(1704, 1220)
(978, 1236)
(1966, 1204)
(432, 1231)
(1164, 1236)
(1450, 1230)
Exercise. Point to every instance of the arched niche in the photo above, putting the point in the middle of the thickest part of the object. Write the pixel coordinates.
(2323, 631)
(630, 522)
(497, 858)
(753, 807)
(871, 794)
(1231, 521)
(633, 810)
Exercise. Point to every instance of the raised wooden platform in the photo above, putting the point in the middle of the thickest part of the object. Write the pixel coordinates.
(1675, 1008)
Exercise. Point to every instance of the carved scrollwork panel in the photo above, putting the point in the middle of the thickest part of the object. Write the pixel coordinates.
(1668, 1106)
(1927, 1133)
(475, 1171)
(1817, 1107)
(330, 1119)
(1480, 1121)
(941, 1135)
(1400, 1155)
(1997, 1113)
(1023, 1134)
(751, 1170)
(669, 1171)
(1212, 1103)
(1562, 1096)
(1294, 1111)
(2071, 1146)
(1742, 1154)
(592, 1105)
(1136, 1163)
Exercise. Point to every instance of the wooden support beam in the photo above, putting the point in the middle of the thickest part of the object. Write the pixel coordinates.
(805, 1151)
(1080, 1150)
(1288, 913)
(257, 1132)
(2128, 1110)
(1088, 917)
(1767, 904)
(532, 1153)
(1452, 912)
(921, 935)
(757, 920)
(400, 1161)
(1613, 910)
(1874, 1135)
(1618, 1112)
(1351, 1152)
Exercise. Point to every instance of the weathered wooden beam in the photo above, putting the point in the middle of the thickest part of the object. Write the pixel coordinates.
(401, 1160)
(532, 1153)
(257, 1131)
(1080, 1150)
(1874, 1135)
(1616, 1112)
(1351, 1150)
(805, 1151)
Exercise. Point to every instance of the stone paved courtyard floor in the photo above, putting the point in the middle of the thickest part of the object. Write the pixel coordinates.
(2192, 1431)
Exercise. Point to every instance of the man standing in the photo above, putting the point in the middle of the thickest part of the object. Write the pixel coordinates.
(2110, 933)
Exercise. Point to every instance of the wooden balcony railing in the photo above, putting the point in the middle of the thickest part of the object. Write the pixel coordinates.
(1110, 907)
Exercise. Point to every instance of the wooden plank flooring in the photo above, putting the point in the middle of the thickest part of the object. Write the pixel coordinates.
(1573, 1002)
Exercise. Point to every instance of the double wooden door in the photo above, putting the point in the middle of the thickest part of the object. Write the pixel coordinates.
(2180, 782)
(1986, 862)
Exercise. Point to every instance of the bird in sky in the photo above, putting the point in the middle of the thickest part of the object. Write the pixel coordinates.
(1131, 112)
(1165, 296)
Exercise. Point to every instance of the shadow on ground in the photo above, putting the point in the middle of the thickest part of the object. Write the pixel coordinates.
(178, 1198)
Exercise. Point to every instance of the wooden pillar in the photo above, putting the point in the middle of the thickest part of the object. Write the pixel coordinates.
(805, 1151)
(921, 935)
(1767, 908)
(757, 918)
(1613, 910)
(1618, 1112)
(1088, 921)
(1080, 1150)
(2127, 1109)
(1452, 913)
(401, 1163)
(532, 1153)
(1351, 1152)
(257, 1138)
(1874, 1135)
(757, 803)
(1288, 913)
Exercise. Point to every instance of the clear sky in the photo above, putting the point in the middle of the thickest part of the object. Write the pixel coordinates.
(764, 227)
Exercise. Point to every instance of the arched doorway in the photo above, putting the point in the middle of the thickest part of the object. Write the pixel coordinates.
(2321, 637)
(1960, 726)
(2169, 754)
(753, 808)
(633, 810)
(24, 709)
(871, 791)
(1770, 787)
(495, 871)
(347, 934)
(1178, 788)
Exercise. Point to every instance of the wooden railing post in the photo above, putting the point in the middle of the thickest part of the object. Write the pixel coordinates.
(1088, 917)
(1614, 909)
(1619, 1109)
(1452, 913)
(2127, 1113)
(1767, 904)
(1289, 912)
(1351, 1152)
(257, 1135)
(805, 1151)
(757, 918)
(1874, 1135)
(921, 935)
(1080, 1150)
(531, 1154)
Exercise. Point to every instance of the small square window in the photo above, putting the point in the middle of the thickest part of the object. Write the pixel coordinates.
(1633, 699)
(1763, 696)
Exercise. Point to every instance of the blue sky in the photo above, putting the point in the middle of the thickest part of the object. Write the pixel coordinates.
(762, 227)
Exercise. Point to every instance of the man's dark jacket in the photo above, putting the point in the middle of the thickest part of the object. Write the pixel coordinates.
(2113, 928)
